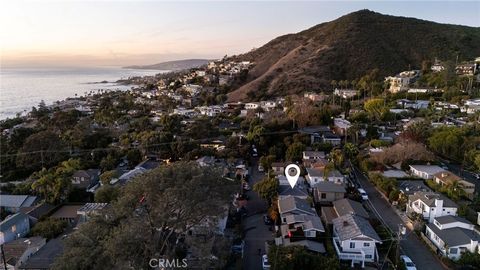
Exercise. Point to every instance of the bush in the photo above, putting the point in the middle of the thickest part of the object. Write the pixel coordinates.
(49, 228)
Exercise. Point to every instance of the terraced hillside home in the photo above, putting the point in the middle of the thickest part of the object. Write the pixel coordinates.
(453, 236)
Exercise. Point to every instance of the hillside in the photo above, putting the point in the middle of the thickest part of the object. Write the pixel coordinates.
(349, 47)
(174, 65)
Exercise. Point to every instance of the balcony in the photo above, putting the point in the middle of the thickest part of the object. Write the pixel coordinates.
(348, 256)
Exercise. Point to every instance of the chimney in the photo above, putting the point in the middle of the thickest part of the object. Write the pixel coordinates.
(439, 203)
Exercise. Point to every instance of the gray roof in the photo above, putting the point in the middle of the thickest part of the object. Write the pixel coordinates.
(319, 154)
(291, 203)
(326, 186)
(299, 190)
(314, 129)
(347, 206)
(308, 222)
(12, 220)
(319, 172)
(17, 200)
(353, 226)
(45, 257)
(409, 187)
(450, 219)
(429, 199)
(455, 236)
(430, 169)
(88, 207)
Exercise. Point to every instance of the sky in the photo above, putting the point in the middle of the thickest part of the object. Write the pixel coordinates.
(118, 33)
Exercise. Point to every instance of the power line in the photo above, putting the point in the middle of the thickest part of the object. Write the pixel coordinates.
(131, 147)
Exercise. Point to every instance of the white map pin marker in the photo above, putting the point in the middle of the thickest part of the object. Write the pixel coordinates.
(289, 170)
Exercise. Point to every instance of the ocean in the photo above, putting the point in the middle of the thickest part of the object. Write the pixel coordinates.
(22, 88)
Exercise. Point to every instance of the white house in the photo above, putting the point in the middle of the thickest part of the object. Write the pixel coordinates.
(453, 236)
(316, 175)
(313, 155)
(425, 171)
(252, 105)
(355, 239)
(431, 205)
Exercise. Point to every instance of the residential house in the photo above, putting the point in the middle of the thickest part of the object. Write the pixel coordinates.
(13, 203)
(447, 178)
(431, 205)
(13, 227)
(315, 97)
(411, 104)
(19, 251)
(453, 236)
(321, 134)
(252, 105)
(343, 207)
(293, 205)
(425, 171)
(300, 190)
(355, 239)
(67, 213)
(302, 226)
(90, 209)
(35, 213)
(345, 93)
(44, 258)
(327, 192)
(409, 187)
(340, 126)
(313, 155)
(278, 168)
(317, 175)
(86, 179)
(466, 69)
(401, 81)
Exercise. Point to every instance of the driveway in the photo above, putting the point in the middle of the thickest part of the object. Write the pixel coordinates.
(410, 245)
(256, 232)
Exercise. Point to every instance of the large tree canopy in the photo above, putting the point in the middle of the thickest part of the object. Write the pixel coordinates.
(151, 219)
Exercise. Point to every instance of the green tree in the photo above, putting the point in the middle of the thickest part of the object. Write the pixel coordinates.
(267, 188)
(351, 150)
(266, 161)
(375, 107)
(49, 228)
(106, 194)
(42, 149)
(295, 151)
(156, 215)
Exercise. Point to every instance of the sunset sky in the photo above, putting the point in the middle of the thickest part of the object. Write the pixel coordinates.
(36, 33)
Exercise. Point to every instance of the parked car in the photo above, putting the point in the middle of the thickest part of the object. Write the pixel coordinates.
(265, 263)
(238, 245)
(409, 265)
(267, 220)
(363, 193)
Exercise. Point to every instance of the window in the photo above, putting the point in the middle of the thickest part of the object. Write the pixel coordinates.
(368, 256)
(366, 244)
(324, 196)
(453, 250)
(352, 244)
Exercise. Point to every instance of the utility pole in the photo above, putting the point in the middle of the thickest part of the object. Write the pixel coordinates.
(3, 257)
(401, 231)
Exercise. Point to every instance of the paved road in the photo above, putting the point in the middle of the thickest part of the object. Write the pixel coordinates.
(256, 232)
(410, 245)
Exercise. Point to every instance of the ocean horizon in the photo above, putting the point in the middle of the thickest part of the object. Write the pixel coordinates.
(21, 88)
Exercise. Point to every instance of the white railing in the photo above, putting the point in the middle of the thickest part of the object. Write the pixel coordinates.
(342, 255)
